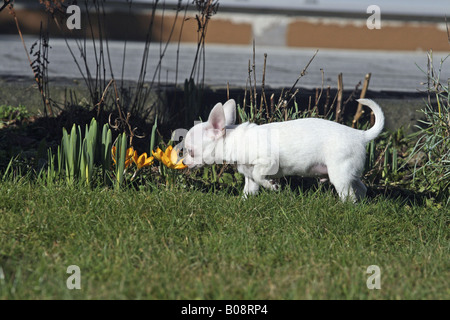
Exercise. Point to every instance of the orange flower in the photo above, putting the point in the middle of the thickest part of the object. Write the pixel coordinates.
(169, 158)
(142, 160)
(128, 156)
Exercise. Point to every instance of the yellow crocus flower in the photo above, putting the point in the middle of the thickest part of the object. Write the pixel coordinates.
(128, 156)
(142, 160)
(169, 158)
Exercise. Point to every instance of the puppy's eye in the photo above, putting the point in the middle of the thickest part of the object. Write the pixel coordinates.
(190, 152)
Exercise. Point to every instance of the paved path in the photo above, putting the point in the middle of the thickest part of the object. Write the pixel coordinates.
(391, 71)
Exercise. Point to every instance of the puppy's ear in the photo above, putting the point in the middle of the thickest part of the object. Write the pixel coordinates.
(229, 108)
(216, 121)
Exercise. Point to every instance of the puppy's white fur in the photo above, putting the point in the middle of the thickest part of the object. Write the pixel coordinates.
(303, 147)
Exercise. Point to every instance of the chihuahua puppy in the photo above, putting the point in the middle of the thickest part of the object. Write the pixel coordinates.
(305, 147)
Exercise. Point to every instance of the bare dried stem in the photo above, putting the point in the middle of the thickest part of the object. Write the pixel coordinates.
(339, 97)
(263, 94)
(359, 109)
(36, 77)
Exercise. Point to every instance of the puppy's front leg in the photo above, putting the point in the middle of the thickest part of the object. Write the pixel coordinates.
(261, 171)
(250, 188)
(268, 184)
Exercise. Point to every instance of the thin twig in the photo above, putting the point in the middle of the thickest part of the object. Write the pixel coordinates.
(339, 97)
(263, 93)
(179, 43)
(5, 3)
(350, 97)
(303, 73)
(272, 104)
(255, 107)
(36, 76)
(321, 89)
(359, 109)
(104, 93)
(250, 83)
(327, 101)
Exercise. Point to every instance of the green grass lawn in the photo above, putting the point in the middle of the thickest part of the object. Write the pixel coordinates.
(175, 244)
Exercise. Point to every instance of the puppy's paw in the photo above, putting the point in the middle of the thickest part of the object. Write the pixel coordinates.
(274, 185)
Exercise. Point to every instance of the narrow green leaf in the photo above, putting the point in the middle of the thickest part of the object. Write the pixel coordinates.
(153, 136)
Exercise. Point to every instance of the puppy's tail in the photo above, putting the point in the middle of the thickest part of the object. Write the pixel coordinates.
(373, 132)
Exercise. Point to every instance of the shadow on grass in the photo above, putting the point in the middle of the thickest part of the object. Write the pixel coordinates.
(403, 195)
(29, 138)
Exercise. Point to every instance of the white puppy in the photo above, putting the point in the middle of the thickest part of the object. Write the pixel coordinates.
(304, 147)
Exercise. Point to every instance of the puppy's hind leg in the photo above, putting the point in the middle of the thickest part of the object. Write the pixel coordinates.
(359, 188)
(343, 183)
(345, 192)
